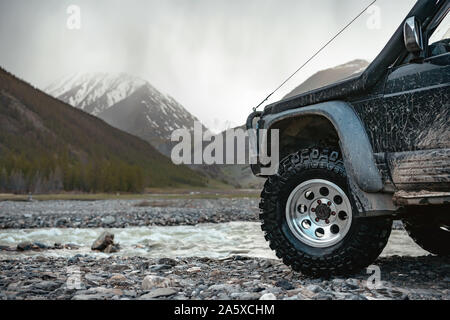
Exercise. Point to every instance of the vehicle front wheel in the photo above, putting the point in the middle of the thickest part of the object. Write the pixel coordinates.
(429, 227)
(308, 217)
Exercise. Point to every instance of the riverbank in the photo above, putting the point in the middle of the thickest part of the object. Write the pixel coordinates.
(125, 213)
(128, 213)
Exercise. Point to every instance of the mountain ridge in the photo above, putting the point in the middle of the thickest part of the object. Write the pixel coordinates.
(47, 145)
(126, 102)
(329, 76)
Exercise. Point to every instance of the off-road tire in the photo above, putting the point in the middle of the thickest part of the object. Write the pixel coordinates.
(423, 225)
(362, 244)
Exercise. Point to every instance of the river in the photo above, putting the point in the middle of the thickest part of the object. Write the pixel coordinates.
(203, 240)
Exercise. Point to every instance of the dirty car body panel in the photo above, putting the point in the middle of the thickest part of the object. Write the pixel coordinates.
(395, 134)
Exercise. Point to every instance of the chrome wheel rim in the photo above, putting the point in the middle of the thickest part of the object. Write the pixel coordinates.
(318, 213)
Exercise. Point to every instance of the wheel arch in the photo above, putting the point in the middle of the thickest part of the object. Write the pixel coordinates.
(336, 124)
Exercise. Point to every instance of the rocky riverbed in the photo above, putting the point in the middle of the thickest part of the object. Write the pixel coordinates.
(83, 277)
(166, 252)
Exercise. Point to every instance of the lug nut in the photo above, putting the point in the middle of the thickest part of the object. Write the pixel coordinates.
(333, 213)
(313, 209)
(327, 221)
(329, 203)
(319, 202)
(317, 219)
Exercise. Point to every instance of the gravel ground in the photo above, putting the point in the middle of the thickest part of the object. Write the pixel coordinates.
(124, 213)
(127, 213)
(237, 278)
(88, 276)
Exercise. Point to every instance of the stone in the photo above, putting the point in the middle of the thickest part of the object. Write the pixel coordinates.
(7, 248)
(286, 285)
(112, 248)
(314, 288)
(58, 246)
(194, 269)
(108, 220)
(103, 241)
(47, 285)
(47, 275)
(159, 267)
(268, 296)
(167, 261)
(25, 246)
(245, 295)
(224, 287)
(40, 245)
(93, 278)
(118, 279)
(71, 246)
(352, 284)
(84, 297)
(151, 281)
(15, 286)
(307, 293)
(158, 293)
(119, 267)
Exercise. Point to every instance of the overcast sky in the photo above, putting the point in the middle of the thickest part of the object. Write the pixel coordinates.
(219, 58)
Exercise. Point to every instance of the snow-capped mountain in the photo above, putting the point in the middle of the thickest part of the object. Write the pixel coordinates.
(94, 92)
(151, 115)
(135, 106)
(126, 102)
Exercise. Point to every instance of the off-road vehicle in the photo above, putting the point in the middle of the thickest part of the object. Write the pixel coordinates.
(358, 153)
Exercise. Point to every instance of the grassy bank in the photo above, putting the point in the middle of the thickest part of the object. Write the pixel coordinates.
(149, 194)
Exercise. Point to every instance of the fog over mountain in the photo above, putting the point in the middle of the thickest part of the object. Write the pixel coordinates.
(128, 103)
(217, 58)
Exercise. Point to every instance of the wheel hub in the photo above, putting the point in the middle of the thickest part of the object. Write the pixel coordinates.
(323, 212)
(318, 213)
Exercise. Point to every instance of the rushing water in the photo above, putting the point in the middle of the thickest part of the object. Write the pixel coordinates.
(203, 240)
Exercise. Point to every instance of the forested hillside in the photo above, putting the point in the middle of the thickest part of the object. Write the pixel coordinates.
(47, 146)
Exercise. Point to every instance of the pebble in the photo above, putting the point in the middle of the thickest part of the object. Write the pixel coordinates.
(268, 296)
(239, 277)
(124, 278)
(157, 293)
(152, 281)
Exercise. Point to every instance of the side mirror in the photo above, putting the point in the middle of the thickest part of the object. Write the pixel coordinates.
(412, 33)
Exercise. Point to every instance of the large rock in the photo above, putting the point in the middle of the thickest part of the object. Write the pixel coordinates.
(112, 248)
(26, 246)
(103, 241)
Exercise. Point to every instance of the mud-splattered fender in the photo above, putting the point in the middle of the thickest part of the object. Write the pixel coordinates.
(355, 145)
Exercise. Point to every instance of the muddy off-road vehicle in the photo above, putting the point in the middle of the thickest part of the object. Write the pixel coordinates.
(358, 153)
